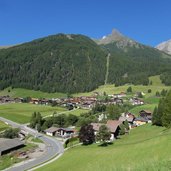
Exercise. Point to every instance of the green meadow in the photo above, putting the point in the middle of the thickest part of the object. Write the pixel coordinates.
(21, 112)
(108, 88)
(20, 92)
(3, 126)
(146, 148)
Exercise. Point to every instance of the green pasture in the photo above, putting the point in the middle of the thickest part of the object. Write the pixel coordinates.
(21, 112)
(145, 148)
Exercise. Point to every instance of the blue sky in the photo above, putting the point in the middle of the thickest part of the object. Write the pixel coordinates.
(146, 21)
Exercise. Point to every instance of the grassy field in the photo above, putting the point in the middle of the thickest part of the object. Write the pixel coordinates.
(21, 112)
(77, 112)
(20, 92)
(3, 126)
(145, 148)
(137, 109)
(109, 89)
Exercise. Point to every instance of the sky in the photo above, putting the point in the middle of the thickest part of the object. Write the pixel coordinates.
(146, 21)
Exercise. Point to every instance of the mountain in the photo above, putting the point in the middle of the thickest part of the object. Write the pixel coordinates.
(132, 62)
(165, 47)
(5, 47)
(118, 38)
(63, 63)
(73, 63)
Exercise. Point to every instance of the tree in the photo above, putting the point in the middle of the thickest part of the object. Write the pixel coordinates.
(122, 129)
(61, 120)
(157, 94)
(149, 90)
(103, 134)
(156, 120)
(11, 133)
(129, 90)
(140, 95)
(126, 124)
(166, 118)
(114, 111)
(162, 115)
(36, 119)
(163, 92)
(72, 119)
(86, 135)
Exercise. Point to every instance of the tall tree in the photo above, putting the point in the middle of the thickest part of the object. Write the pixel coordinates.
(166, 118)
(114, 111)
(103, 134)
(86, 135)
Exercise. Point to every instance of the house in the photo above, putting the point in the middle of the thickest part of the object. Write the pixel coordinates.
(120, 95)
(140, 121)
(146, 114)
(113, 126)
(7, 145)
(34, 101)
(136, 101)
(51, 131)
(129, 117)
(63, 132)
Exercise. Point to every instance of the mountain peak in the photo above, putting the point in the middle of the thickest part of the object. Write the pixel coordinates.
(116, 32)
(113, 37)
(165, 47)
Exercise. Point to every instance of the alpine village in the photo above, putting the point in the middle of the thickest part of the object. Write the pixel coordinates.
(69, 102)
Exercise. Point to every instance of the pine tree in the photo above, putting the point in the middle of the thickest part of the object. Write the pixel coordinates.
(122, 129)
(166, 118)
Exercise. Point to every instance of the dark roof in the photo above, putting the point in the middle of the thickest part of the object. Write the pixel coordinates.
(146, 111)
(7, 144)
(113, 125)
(52, 129)
(141, 119)
(66, 129)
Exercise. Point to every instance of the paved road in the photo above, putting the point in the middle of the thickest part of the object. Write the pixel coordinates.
(53, 147)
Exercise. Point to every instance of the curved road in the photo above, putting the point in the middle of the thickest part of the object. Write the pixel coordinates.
(53, 147)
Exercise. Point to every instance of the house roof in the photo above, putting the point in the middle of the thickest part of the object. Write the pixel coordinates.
(52, 129)
(129, 119)
(113, 125)
(7, 144)
(141, 119)
(66, 129)
(146, 111)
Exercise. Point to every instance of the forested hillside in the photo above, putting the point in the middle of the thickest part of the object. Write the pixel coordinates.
(75, 63)
(134, 63)
(59, 63)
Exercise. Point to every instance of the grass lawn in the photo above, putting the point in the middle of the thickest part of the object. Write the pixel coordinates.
(3, 126)
(21, 92)
(77, 112)
(21, 112)
(145, 148)
(111, 89)
(8, 160)
(136, 109)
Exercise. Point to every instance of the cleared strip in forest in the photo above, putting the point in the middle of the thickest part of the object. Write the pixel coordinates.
(107, 68)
